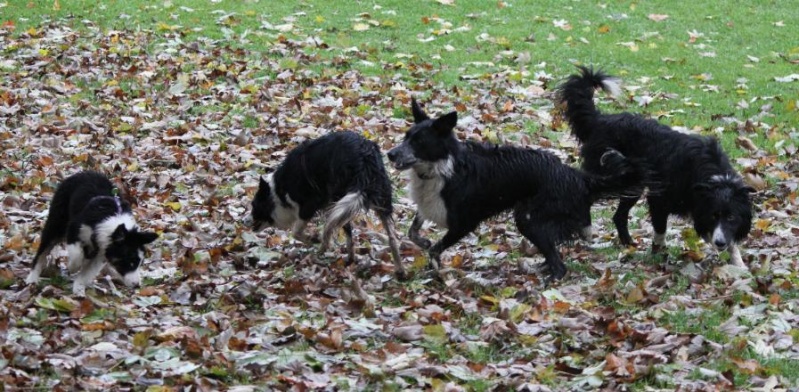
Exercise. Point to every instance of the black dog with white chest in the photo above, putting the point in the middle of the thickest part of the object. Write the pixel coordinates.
(457, 185)
(97, 226)
(695, 176)
(340, 171)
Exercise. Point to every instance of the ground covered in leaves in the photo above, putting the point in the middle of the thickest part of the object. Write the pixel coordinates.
(188, 127)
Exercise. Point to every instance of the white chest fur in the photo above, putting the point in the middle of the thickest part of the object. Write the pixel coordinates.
(427, 181)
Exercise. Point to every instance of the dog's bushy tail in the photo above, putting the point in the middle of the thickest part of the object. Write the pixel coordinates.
(577, 94)
(621, 177)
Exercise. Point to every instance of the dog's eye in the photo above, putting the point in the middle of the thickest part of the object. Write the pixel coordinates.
(730, 217)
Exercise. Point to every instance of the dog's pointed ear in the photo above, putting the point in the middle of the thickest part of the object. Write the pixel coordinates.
(119, 234)
(418, 114)
(146, 237)
(263, 184)
(447, 122)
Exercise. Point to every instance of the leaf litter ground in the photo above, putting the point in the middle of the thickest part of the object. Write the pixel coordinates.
(189, 126)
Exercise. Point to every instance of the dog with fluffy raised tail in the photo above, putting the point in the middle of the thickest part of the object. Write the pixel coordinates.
(694, 176)
(457, 185)
(98, 228)
(342, 173)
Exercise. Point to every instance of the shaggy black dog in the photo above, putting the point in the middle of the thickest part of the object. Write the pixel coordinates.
(458, 184)
(695, 178)
(341, 171)
(97, 226)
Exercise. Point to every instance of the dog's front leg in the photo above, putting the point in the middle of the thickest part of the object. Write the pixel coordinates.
(86, 275)
(298, 231)
(75, 257)
(735, 256)
(413, 233)
(451, 238)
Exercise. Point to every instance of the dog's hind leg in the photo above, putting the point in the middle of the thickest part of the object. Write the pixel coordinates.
(413, 233)
(350, 243)
(39, 262)
(540, 237)
(660, 219)
(621, 217)
(393, 244)
(52, 234)
(298, 231)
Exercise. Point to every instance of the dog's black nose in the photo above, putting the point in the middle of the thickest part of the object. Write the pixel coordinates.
(720, 243)
(392, 155)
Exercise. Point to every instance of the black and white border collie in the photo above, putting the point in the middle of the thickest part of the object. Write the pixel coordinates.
(458, 184)
(97, 226)
(342, 171)
(695, 176)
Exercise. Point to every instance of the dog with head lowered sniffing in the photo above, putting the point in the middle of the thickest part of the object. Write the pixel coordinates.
(695, 178)
(98, 228)
(341, 173)
(457, 185)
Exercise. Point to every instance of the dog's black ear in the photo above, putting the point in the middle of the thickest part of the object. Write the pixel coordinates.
(119, 234)
(263, 184)
(446, 123)
(747, 189)
(146, 237)
(418, 114)
(703, 187)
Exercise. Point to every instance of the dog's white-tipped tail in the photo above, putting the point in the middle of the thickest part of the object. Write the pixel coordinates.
(612, 86)
(341, 213)
(346, 208)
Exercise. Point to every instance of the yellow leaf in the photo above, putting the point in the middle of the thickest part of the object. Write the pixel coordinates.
(635, 295)
(360, 27)
(319, 19)
(249, 13)
(133, 166)
(456, 261)
(490, 299)
(603, 29)
(43, 52)
(174, 205)
(56, 6)
(141, 339)
(763, 224)
(435, 331)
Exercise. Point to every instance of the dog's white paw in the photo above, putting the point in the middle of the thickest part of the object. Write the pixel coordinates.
(32, 278)
(79, 289)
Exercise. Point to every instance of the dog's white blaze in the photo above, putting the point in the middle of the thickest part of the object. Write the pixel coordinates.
(659, 240)
(75, 257)
(426, 193)
(85, 234)
(284, 217)
(106, 229)
(612, 86)
(718, 235)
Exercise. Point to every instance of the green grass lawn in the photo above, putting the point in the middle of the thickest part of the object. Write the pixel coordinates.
(696, 63)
